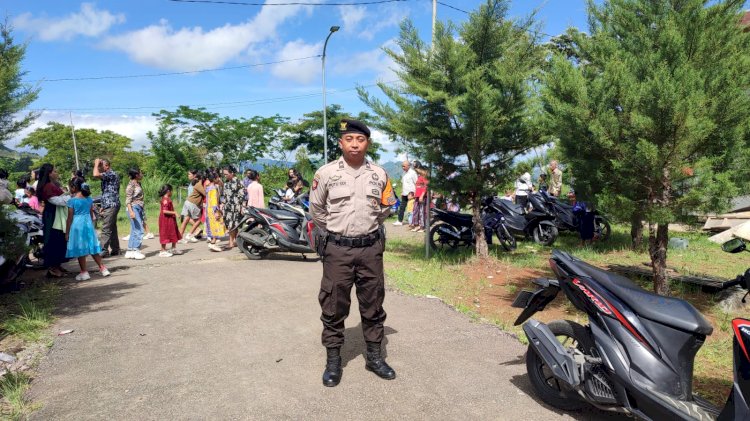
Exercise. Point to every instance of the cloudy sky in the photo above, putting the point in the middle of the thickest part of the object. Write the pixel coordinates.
(110, 64)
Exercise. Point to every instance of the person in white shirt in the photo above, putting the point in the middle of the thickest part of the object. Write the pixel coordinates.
(523, 189)
(289, 195)
(408, 187)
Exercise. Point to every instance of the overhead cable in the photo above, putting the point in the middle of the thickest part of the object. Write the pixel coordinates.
(231, 104)
(188, 72)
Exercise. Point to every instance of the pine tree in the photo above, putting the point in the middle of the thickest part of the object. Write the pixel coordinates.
(15, 95)
(651, 106)
(464, 101)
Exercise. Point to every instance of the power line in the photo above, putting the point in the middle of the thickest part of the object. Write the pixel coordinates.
(68, 79)
(296, 3)
(452, 7)
(215, 105)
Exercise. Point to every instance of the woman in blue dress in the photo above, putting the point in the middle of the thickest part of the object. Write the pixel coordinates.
(80, 233)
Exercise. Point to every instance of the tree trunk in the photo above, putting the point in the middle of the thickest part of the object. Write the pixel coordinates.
(636, 229)
(481, 248)
(658, 237)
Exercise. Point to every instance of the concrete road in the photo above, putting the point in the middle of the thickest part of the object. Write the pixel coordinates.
(215, 336)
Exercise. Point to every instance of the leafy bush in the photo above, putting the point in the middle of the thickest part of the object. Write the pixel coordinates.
(12, 242)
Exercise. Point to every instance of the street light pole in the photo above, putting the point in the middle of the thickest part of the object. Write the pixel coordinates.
(325, 105)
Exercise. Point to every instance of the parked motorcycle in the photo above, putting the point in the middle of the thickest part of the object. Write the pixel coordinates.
(30, 225)
(538, 223)
(565, 220)
(636, 354)
(452, 230)
(287, 229)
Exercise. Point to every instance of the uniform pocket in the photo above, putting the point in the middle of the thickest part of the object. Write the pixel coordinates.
(338, 198)
(326, 298)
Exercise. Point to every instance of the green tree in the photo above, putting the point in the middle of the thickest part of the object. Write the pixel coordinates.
(173, 155)
(57, 140)
(307, 133)
(15, 95)
(465, 103)
(652, 105)
(232, 140)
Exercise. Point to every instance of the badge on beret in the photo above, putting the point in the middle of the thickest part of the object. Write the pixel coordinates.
(343, 126)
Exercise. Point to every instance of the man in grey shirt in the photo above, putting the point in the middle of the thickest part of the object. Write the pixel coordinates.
(408, 187)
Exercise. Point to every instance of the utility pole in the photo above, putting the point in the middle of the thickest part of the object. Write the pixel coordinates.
(75, 146)
(325, 105)
(428, 193)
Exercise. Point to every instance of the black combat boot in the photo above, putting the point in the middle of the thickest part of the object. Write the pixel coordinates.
(376, 363)
(333, 371)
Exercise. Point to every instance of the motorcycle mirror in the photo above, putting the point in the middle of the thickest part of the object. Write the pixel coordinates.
(735, 245)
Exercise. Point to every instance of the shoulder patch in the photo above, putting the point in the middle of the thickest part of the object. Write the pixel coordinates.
(388, 198)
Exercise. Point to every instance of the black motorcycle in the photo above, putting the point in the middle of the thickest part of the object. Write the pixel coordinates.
(537, 223)
(636, 354)
(263, 231)
(452, 230)
(566, 220)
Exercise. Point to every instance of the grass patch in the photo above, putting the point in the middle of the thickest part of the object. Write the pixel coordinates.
(13, 387)
(30, 316)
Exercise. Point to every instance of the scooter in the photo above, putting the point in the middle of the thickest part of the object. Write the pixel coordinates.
(538, 223)
(452, 230)
(565, 220)
(636, 354)
(29, 222)
(287, 229)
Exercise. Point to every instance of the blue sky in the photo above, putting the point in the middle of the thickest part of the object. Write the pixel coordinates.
(78, 40)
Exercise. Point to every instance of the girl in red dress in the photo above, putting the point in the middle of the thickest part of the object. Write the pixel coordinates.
(168, 231)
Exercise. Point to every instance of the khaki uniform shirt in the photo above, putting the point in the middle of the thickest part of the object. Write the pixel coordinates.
(349, 202)
(555, 183)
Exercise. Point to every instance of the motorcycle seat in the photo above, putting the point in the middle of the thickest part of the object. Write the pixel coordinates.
(283, 215)
(512, 207)
(672, 312)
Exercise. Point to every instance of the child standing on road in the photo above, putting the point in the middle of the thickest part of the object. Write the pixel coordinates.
(80, 233)
(168, 231)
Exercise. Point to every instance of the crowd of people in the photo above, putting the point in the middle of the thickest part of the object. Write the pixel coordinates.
(213, 209)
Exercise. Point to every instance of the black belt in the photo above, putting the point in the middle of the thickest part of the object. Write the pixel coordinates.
(364, 241)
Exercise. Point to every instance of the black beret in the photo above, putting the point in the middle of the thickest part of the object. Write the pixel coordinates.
(354, 126)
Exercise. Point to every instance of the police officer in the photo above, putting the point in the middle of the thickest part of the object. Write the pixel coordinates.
(349, 200)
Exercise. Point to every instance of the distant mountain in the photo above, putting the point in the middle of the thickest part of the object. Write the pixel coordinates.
(393, 169)
(7, 152)
(262, 163)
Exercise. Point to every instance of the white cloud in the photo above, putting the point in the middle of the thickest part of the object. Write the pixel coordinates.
(304, 71)
(357, 20)
(134, 127)
(88, 22)
(375, 60)
(352, 16)
(195, 48)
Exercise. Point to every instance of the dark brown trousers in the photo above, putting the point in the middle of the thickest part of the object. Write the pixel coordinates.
(342, 268)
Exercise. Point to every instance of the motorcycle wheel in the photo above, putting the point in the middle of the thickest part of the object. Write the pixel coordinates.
(440, 241)
(550, 390)
(250, 252)
(602, 229)
(507, 241)
(545, 234)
